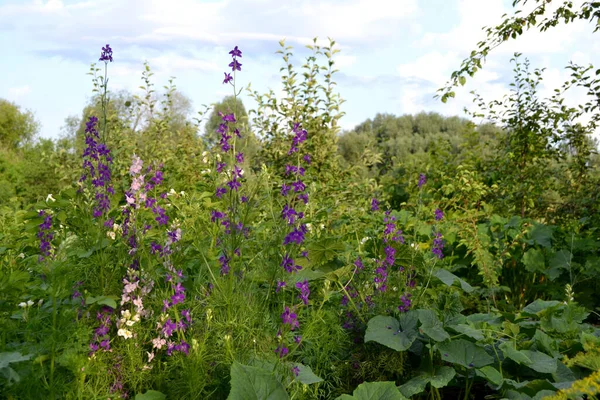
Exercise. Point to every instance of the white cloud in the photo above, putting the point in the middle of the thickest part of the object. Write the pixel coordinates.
(18, 92)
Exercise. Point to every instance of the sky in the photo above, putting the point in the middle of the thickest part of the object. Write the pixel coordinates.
(394, 54)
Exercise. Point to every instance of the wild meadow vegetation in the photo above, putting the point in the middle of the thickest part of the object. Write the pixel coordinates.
(272, 256)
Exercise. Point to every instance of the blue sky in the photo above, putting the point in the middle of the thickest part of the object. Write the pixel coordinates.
(394, 53)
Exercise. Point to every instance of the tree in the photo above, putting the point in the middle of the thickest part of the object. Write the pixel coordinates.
(248, 144)
(16, 126)
(512, 27)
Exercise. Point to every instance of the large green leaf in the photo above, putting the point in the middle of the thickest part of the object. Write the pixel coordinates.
(491, 374)
(464, 353)
(540, 305)
(442, 377)
(388, 331)
(252, 383)
(12, 357)
(541, 234)
(150, 395)
(432, 326)
(306, 375)
(468, 330)
(540, 362)
(511, 352)
(534, 261)
(374, 391)
(325, 249)
(414, 386)
(449, 279)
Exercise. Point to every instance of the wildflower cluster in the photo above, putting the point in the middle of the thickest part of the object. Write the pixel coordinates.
(294, 191)
(390, 234)
(101, 338)
(230, 168)
(96, 165)
(45, 235)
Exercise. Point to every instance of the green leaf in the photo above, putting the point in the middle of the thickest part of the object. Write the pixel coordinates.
(432, 326)
(251, 383)
(374, 391)
(325, 250)
(534, 261)
(103, 300)
(541, 234)
(449, 279)
(442, 377)
(306, 375)
(540, 305)
(150, 395)
(540, 362)
(465, 353)
(387, 331)
(511, 352)
(468, 330)
(12, 357)
(415, 386)
(559, 261)
(491, 374)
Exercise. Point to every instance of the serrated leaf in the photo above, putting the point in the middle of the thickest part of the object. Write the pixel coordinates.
(374, 391)
(388, 331)
(251, 383)
(325, 250)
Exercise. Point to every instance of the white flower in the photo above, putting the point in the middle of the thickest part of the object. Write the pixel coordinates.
(49, 197)
(22, 304)
(129, 322)
(150, 356)
(125, 333)
(111, 235)
(22, 255)
(171, 192)
(29, 303)
(364, 240)
(182, 193)
(126, 313)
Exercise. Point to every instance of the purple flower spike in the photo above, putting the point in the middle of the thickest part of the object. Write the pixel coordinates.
(106, 55)
(228, 78)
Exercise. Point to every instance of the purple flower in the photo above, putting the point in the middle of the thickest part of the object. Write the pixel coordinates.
(235, 65)
(235, 52)
(438, 245)
(239, 157)
(280, 285)
(228, 78)
(374, 204)
(406, 303)
(290, 318)
(285, 189)
(289, 265)
(106, 55)
(296, 370)
(220, 192)
(358, 264)
(296, 236)
(439, 214)
(422, 180)
(281, 351)
(304, 291)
